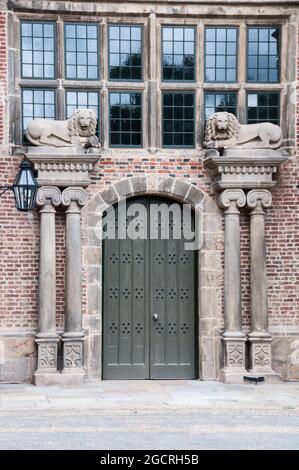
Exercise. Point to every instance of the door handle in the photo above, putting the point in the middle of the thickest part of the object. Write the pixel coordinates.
(155, 317)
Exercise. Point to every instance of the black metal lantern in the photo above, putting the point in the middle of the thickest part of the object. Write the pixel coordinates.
(25, 188)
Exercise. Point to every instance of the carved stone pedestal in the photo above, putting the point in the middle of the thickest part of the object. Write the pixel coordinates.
(47, 347)
(234, 358)
(260, 356)
(73, 358)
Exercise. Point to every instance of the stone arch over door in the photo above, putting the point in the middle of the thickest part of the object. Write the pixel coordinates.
(209, 269)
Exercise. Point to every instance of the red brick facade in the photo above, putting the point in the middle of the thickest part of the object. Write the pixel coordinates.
(19, 242)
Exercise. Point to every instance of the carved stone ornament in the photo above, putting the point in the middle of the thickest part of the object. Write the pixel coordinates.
(73, 354)
(78, 130)
(229, 196)
(48, 194)
(259, 195)
(74, 194)
(224, 131)
(47, 356)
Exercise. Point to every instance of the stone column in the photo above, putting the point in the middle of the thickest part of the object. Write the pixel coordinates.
(259, 338)
(48, 198)
(233, 338)
(73, 198)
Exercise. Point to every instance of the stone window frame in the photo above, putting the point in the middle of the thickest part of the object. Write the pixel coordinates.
(153, 86)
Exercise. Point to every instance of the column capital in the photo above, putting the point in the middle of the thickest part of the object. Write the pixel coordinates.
(232, 200)
(48, 196)
(259, 198)
(74, 195)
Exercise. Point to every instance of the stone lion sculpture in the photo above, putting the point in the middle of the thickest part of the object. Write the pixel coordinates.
(223, 130)
(78, 130)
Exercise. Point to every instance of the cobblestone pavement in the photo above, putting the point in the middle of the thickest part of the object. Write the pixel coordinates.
(150, 415)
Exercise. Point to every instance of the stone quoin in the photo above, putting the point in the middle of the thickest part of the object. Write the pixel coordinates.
(151, 103)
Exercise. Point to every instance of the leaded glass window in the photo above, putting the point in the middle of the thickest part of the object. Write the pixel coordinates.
(220, 101)
(178, 53)
(37, 103)
(125, 116)
(263, 107)
(76, 99)
(125, 52)
(178, 119)
(220, 54)
(38, 50)
(263, 54)
(81, 52)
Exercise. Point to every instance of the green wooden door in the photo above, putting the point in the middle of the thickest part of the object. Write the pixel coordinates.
(149, 303)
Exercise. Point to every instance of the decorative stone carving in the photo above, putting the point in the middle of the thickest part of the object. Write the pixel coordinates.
(48, 194)
(77, 195)
(235, 354)
(73, 354)
(47, 356)
(243, 168)
(261, 196)
(232, 197)
(78, 130)
(224, 131)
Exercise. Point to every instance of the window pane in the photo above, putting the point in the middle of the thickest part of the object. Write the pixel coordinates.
(220, 101)
(125, 119)
(178, 119)
(178, 57)
(263, 59)
(125, 53)
(220, 54)
(263, 106)
(38, 103)
(81, 51)
(36, 38)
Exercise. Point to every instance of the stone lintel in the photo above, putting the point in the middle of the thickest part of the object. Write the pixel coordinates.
(62, 167)
(244, 169)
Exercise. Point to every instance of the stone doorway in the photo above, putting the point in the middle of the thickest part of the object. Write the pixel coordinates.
(150, 291)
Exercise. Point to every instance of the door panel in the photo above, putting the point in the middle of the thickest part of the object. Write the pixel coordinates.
(149, 306)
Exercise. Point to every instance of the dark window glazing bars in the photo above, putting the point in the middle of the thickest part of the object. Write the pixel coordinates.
(220, 54)
(178, 119)
(81, 52)
(37, 103)
(125, 52)
(178, 53)
(37, 50)
(263, 106)
(220, 101)
(76, 99)
(125, 116)
(263, 44)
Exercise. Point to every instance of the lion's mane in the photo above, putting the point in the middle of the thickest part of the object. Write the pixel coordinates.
(213, 133)
(75, 128)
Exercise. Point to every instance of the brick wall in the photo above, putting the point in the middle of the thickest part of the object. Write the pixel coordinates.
(20, 232)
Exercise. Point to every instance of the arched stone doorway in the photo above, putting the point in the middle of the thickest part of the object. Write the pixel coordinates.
(208, 285)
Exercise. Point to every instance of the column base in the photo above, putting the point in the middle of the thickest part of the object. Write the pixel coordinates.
(231, 376)
(260, 356)
(234, 357)
(41, 379)
(72, 354)
(47, 349)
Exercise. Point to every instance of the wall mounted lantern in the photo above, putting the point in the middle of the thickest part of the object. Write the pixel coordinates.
(24, 188)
